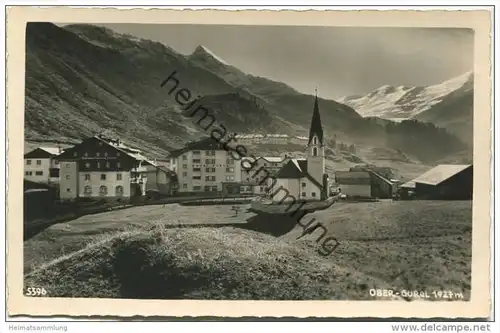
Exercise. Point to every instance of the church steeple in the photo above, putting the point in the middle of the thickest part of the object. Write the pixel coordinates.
(316, 127)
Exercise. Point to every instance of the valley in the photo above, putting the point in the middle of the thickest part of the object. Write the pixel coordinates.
(84, 79)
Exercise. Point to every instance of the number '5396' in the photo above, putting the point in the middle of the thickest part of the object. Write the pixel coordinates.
(36, 292)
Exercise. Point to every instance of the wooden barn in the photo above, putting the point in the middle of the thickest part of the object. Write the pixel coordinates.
(366, 184)
(445, 182)
(354, 183)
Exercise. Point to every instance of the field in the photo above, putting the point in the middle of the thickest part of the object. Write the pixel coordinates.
(174, 251)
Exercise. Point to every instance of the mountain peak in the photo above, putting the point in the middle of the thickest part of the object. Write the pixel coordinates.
(205, 51)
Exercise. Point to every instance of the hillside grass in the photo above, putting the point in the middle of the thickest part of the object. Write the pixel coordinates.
(201, 253)
(414, 245)
(199, 264)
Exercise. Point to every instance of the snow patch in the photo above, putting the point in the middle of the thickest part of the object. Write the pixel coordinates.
(404, 102)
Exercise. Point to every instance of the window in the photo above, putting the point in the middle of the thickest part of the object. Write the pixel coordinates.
(105, 154)
(196, 177)
(230, 161)
(67, 165)
(304, 194)
(209, 169)
(303, 184)
(184, 185)
(210, 152)
(68, 190)
(97, 154)
(39, 173)
(87, 190)
(28, 173)
(108, 165)
(184, 174)
(229, 178)
(315, 151)
(210, 178)
(196, 160)
(196, 169)
(214, 188)
(75, 154)
(184, 166)
(119, 191)
(315, 141)
(98, 165)
(103, 190)
(210, 161)
(229, 169)
(87, 176)
(118, 165)
(196, 188)
(184, 157)
(207, 188)
(38, 162)
(118, 176)
(313, 194)
(103, 176)
(196, 152)
(28, 162)
(67, 176)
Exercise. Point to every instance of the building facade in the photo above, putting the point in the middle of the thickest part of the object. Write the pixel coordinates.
(41, 165)
(203, 166)
(100, 167)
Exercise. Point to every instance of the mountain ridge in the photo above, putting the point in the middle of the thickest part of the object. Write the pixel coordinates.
(82, 79)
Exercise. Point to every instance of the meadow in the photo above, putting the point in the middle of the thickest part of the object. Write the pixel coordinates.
(205, 252)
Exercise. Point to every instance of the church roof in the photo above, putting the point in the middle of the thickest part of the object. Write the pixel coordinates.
(316, 127)
(296, 169)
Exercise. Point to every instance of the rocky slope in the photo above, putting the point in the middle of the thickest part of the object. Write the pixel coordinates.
(83, 79)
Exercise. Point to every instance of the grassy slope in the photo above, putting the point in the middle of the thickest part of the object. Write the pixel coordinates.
(420, 245)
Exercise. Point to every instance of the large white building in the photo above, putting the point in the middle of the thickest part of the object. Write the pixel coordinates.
(203, 166)
(305, 179)
(41, 166)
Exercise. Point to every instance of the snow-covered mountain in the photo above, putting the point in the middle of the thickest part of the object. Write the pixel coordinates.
(404, 102)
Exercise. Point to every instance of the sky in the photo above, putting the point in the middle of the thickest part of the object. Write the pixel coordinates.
(339, 61)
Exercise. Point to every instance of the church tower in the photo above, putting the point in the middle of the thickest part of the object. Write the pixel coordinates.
(315, 146)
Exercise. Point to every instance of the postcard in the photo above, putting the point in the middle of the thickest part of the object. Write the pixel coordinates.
(220, 163)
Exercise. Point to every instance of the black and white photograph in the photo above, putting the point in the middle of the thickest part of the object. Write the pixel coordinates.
(167, 161)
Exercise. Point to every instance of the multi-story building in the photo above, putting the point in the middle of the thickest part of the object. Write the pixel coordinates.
(41, 166)
(101, 167)
(204, 165)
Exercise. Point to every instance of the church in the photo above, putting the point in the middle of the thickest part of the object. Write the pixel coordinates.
(306, 179)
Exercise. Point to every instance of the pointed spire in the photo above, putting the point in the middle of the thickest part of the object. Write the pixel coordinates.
(316, 127)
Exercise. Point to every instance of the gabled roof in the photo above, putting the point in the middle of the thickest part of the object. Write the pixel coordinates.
(296, 169)
(203, 144)
(167, 171)
(42, 152)
(353, 177)
(440, 173)
(316, 127)
(273, 159)
(116, 144)
(52, 150)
